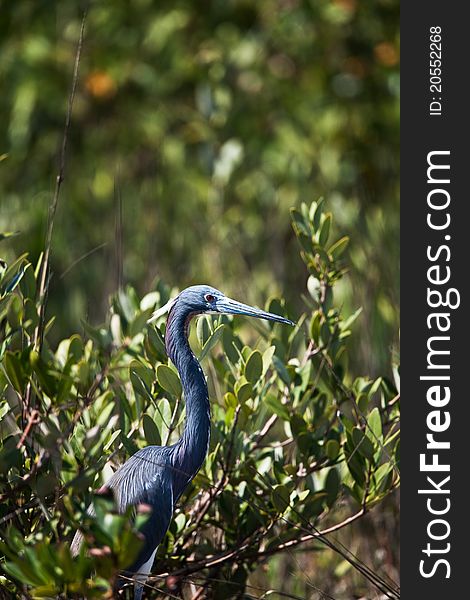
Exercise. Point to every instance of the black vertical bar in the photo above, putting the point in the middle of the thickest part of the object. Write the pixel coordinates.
(434, 129)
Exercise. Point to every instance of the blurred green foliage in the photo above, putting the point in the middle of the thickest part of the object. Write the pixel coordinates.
(298, 445)
(209, 120)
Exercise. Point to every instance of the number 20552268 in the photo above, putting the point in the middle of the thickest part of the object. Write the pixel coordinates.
(435, 70)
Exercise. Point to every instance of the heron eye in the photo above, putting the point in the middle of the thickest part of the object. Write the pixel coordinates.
(209, 298)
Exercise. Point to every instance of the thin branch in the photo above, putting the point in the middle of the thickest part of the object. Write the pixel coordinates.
(310, 529)
(172, 424)
(33, 419)
(243, 552)
(262, 434)
(82, 257)
(226, 582)
(118, 233)
(44, 276)
(39, 331)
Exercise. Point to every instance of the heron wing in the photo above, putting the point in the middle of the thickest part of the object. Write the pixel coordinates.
(146, 478)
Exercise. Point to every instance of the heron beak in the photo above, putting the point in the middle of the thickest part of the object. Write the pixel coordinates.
(232, 307)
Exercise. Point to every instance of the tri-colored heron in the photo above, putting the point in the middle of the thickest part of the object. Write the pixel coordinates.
(158, 475)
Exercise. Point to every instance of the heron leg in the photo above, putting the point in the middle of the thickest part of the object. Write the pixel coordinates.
(138, 591)
(141, 577)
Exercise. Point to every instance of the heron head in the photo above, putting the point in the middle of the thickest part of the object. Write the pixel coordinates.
(199, 299)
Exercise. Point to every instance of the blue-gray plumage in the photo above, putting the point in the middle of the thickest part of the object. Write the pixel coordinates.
(158, 475)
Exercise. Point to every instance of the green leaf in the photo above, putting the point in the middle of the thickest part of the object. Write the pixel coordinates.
(357, 468)
(332, 484)
(8, 234)
(152, 435)
(362, 443)
(139, 386)
(169, 380)
(354, 460)
(381, 473)
(212, 341)
(275, 405)
(144, 371)
(15, 280)
(45, 591)
(28, 283)
(110, 442)
(254, 367)
(45, 377)
(397, 454)
(325, 333)
(342, 568)
(15, 571)
(231, 345)
(106, 408)
(128, 444)
(138, 324)
(244, 391)
(314, 506)
(10, 456)
(280, 498)
(4, 409)
(15, 311)
(374, 423)
(362, 402)
(268, 358)
(314, 288)
(14, 371)
(314, 327)
(155, 343)
(298, 221)
(203, 329)
(281, 370)
(162, 416)
(337, 249)
(101, 336)
(12, 271)
(325, 230)
(46, 484)
(316, 214)
(350, 320)
(298, 424)
(230, 400)
(332, 449)
(374, 387)
(305, 241)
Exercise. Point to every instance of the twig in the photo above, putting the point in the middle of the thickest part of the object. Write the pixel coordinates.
(44, 275)
(243, 552)
(208, 579)
(326, 361)
(118, 233)
(88, 399)
(310, 529)
(226, 470)
(172, 424)
(199, 595)
(33, 419)
(18, 510)
(82, 257)
(39, 331)
(267, 426)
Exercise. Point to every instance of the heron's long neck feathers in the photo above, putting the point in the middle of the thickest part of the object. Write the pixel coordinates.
(191, 448)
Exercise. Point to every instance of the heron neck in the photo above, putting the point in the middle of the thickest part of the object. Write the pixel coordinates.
(191, 448)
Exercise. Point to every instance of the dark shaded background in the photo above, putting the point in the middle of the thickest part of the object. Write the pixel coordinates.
(209, 120)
